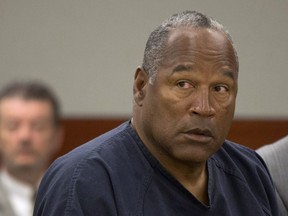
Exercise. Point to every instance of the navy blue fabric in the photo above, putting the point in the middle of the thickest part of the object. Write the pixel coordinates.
(115, 174)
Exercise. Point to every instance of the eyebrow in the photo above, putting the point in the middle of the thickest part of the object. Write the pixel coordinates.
(230, 74)
(180, 68)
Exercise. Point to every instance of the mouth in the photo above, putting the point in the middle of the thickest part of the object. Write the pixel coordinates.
(25, 152)
(199, 135)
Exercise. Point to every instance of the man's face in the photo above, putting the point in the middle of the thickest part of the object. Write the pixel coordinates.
(187, 112)
(28, 135)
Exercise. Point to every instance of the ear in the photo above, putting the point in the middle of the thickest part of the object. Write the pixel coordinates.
(139, 88)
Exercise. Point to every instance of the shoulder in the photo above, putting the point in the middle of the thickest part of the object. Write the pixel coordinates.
(250, 169)
(244, 163)
(1, 186)
(275, 151)
(275, 156)
(87, 174)
(100, 150)
(244, 168)
(233, 154)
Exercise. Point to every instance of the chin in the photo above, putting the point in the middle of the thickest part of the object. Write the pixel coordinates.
(26, 162)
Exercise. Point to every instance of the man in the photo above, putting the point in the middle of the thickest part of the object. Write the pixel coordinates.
(172, 157)
(30, 135)
(275, 156)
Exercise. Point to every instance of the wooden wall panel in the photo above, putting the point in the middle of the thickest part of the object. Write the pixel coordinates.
(251, 133)
(255, 133)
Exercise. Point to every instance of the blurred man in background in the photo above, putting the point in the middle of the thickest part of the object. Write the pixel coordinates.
(30, 135)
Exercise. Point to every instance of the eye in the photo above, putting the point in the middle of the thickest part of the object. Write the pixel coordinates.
(40, 125)
(11, 126)
(221, 89)
(184, 84)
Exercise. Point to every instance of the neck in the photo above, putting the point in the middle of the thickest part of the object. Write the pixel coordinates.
(26, 176)
(194, 177)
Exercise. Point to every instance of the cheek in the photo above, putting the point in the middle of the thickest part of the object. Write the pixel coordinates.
(42, 140)
(225, 106)
(8, 145)
(224, 118)
(166, 108)
(230, 108)
(158, 113)
(8, 140)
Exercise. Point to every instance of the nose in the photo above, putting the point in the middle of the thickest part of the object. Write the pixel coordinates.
(24, 132)
(201, 104)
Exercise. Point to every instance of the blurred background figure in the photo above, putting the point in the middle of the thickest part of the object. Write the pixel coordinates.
(30, 136)
(275, 156)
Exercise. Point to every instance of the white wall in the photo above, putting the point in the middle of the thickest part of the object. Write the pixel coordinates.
(87, 50)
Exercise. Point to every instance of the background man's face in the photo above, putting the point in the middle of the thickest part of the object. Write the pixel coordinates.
(28, 135)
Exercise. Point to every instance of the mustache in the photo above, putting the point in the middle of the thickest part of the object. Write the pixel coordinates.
(25, 146)
(24, 143)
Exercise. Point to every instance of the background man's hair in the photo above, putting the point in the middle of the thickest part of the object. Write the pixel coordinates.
(32, 90)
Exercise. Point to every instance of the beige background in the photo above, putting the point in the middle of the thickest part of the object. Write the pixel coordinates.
(87, 50)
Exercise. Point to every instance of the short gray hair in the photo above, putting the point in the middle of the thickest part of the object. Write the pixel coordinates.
(157, 41)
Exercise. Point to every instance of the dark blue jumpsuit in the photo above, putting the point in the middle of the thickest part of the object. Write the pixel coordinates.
(115, 174)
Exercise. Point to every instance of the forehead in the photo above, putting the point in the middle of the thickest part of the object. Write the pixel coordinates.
(16, 106)
(190, 44)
